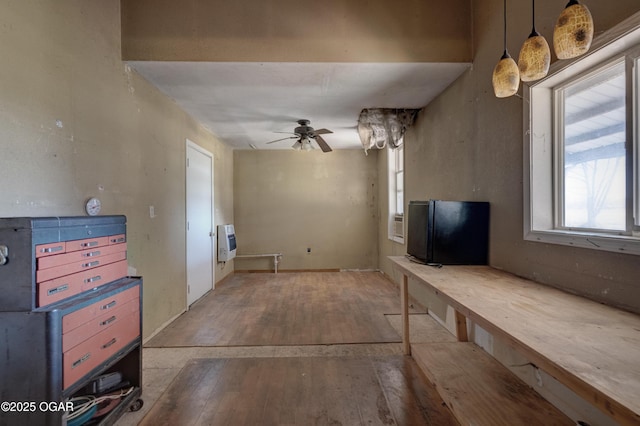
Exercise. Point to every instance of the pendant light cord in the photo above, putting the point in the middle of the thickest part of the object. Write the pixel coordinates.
(505, 25)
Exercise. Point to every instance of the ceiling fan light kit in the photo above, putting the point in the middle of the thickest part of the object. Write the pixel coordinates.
(304, 133)
(303, 144)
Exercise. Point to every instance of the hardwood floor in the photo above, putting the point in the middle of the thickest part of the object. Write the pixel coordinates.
(300, 391)
(311, 348)
(289, 309)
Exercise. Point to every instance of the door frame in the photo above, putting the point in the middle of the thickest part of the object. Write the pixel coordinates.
(190, 144)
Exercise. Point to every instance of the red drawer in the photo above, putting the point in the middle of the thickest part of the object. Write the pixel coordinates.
(117, 239)
(60, 288)
(82, 265)
(76, 245)
(50, 249)
(102, 322)
(88, 313)
(78, 256)
(86, 356)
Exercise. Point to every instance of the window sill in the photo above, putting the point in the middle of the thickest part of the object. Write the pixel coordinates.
(613, 243)
(399, 240)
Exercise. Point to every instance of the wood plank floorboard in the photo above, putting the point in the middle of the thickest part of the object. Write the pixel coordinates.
(300, 391)
(289, 309)
(266, 349)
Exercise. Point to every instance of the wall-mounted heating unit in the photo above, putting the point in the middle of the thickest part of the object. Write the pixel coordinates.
(226, 243)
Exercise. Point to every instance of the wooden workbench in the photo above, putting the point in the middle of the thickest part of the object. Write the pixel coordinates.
(591, 348)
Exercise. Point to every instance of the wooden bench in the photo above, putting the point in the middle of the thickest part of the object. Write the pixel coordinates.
(277, 258)
(591, 348)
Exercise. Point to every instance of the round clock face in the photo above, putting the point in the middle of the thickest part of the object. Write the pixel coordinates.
(93, 206)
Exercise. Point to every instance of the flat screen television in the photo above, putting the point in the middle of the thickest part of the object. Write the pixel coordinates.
(448, 232)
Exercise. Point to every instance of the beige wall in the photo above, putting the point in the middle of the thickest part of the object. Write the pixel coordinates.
(76, 122)
(297, 30)
(467, 144)
(287, 201)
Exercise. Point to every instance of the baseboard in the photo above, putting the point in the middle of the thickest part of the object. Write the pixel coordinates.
(270, 271)
(162, 327)
(224, 280)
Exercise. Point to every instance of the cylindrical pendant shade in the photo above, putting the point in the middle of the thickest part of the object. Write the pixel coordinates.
(506, 77)
(573, 33)
(534, 58)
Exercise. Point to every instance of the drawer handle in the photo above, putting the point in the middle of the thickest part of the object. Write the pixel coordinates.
(90, 244)
(109, 343)
(108, 321)
(92, 254)
(81, 360)
(91, 264)
(63, 287)
(108, 305)
(118, 240)
(93, 279)
(51, 249)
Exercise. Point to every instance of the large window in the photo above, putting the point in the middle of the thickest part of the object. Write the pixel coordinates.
(396, 193)
(582, 150)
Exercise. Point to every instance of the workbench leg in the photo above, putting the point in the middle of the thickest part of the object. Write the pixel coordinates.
(404, 303)
(461, 327)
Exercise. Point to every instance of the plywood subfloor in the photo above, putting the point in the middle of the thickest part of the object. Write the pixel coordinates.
(289, 309)
(300, 391)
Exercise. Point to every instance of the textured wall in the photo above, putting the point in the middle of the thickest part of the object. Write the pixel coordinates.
(76, 122)
(288, 201)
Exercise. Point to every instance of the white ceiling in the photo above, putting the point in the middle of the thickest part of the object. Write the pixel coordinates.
(246, 104)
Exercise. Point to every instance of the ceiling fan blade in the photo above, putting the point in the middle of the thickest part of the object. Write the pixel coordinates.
(322, 131)
(278, 140)
(322, 144)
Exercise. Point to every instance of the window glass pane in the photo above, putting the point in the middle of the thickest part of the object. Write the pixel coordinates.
(400, 193)
(636, 136)
(594, 152)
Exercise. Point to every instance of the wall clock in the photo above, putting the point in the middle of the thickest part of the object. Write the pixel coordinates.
(92, 207)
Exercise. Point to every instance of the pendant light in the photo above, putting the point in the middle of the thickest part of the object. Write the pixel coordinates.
(573, 33)
(506, 76)
(535, 55)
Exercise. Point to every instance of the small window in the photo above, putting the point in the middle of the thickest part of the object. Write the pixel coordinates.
(396, 193)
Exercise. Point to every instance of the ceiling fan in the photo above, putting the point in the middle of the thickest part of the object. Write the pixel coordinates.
(304, 133)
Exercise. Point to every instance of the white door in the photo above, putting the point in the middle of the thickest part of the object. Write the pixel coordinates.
(200, 236)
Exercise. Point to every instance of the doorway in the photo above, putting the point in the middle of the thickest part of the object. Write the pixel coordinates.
(199, 226)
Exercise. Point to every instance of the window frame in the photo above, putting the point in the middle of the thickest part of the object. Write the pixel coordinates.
(541, 158)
